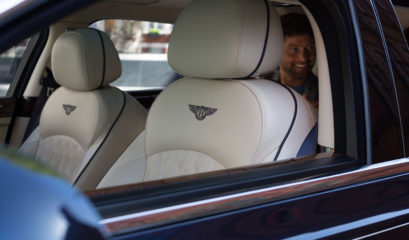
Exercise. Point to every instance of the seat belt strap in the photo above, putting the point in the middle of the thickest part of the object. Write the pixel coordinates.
(49, 85)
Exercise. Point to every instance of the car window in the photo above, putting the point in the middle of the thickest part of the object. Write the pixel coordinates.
(9, 62)
(142, 48)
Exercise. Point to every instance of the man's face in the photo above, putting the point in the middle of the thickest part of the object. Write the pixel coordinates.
(299, 56)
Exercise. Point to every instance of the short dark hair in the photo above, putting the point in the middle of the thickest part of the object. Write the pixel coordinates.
(295, 24)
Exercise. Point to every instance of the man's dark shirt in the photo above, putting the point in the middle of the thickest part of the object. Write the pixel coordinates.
(309, 88)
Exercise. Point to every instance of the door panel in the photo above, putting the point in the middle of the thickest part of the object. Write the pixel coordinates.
(355, 204)
(16, 65)
(399, 55)
(7, 106)
(19, 128)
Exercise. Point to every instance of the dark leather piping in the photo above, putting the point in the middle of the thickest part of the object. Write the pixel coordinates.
(105, 138)
(292, 122)
(265, 42)
(103, 57)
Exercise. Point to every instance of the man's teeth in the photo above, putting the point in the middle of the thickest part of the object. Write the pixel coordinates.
(301, 65)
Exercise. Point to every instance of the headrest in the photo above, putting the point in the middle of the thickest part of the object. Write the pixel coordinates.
(226, 39)
(85, 59)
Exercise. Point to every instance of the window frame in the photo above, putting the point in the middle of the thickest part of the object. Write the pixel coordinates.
(28, 62)
(350, 138)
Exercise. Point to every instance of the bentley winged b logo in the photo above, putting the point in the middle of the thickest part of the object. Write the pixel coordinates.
(201, 111)
(68, 108)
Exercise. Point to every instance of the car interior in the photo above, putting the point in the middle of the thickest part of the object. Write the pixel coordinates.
(220, 114)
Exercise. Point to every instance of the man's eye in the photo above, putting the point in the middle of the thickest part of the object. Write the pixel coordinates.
(311, 48)
(293, 50)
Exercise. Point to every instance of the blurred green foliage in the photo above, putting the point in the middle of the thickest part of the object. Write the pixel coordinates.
(154, 31)
(26, 162)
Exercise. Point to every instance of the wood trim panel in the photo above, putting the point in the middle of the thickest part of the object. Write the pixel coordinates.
(218, 205)
(25, 106)
(7, 106)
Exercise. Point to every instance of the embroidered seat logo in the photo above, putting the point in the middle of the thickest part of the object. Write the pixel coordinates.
(68, 108)
(201, 111)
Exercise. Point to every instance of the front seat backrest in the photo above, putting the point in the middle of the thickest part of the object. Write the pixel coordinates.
(85, 124)
(221, 114)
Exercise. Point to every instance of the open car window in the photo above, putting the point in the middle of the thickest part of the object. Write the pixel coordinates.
(143, 48)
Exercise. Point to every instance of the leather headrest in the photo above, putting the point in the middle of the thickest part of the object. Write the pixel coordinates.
(85, 59)
(226, 39)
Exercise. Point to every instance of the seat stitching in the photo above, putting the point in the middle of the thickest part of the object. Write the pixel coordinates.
(265, 41)
(103, 58)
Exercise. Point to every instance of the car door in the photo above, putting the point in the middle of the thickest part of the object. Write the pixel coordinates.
(335, 194)
(342, 203)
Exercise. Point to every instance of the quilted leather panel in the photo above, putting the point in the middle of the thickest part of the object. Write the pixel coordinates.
(61, 153)
(178, 163)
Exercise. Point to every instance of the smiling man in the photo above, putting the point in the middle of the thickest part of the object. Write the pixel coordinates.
(298, 57)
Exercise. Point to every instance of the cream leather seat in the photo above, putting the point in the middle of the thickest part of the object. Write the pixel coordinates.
(222, 114)
(85, 124)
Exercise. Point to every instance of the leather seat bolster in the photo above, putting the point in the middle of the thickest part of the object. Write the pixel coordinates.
(129, 124)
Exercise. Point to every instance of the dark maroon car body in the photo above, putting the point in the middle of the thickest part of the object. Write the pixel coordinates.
(360, 191)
